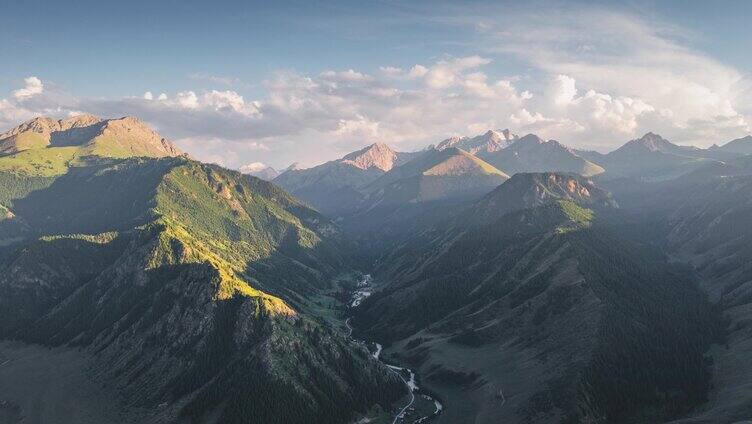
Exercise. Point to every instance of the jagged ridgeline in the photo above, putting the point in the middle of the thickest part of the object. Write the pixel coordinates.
(186, 283)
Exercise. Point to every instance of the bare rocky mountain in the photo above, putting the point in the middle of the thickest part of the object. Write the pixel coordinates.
(491, 141)
(122, 137)
(533, 154)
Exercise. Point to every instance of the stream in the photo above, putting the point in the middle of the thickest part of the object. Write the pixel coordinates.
(362, 291)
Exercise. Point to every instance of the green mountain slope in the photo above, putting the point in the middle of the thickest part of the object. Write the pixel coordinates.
(527, 307)
(703, 219)
(189, 286)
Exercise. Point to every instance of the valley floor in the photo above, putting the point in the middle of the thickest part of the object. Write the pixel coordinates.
(39, 385)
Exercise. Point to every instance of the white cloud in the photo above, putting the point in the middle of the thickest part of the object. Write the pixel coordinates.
(446, 73)
(418, 71)
(391, 71)
(33, 86)
(563, 90)
(625, 56)
(252, 167)
(215, 79)
(589, 78)
(187, 99)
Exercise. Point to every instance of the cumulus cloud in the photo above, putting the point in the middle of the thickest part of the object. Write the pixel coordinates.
(32, 87)
(252, 167)
(633, 64)
(595, 79)
(563, 90)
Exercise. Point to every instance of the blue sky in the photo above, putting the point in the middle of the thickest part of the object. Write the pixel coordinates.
(308, 81)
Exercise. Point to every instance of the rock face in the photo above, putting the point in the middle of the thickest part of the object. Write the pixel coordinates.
(189, 286)
(377, 155)
(533, 154)
(528, 307)
(491, 141)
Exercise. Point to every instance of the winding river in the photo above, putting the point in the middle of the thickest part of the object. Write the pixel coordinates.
(362, 291)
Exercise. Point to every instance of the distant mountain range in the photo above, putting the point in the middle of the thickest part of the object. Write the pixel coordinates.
(332, 187)
(533, 154)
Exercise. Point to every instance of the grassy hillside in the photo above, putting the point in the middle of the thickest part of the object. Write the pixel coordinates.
(187, 284)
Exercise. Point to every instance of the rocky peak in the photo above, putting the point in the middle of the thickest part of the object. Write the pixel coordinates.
(649, 142)
(79, 121)
(377, 155)
(652, 141)
(490, 141)
(127, 134)
(46, 126)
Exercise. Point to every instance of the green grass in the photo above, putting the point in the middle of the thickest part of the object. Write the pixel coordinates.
(44, 162)
(578, 216)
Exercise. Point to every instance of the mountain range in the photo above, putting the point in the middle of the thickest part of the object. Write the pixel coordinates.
(498, 278)
(188, 287)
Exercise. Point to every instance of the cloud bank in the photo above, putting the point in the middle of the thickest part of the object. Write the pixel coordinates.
(597, 78)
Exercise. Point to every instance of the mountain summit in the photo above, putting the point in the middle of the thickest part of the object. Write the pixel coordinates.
(652, 157)
(650, 142)
(44, 146)
(534, 154)
(333, 187)
(490, 141)
(377, 155)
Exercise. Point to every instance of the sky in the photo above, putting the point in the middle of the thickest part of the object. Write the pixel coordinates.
(251, 83)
